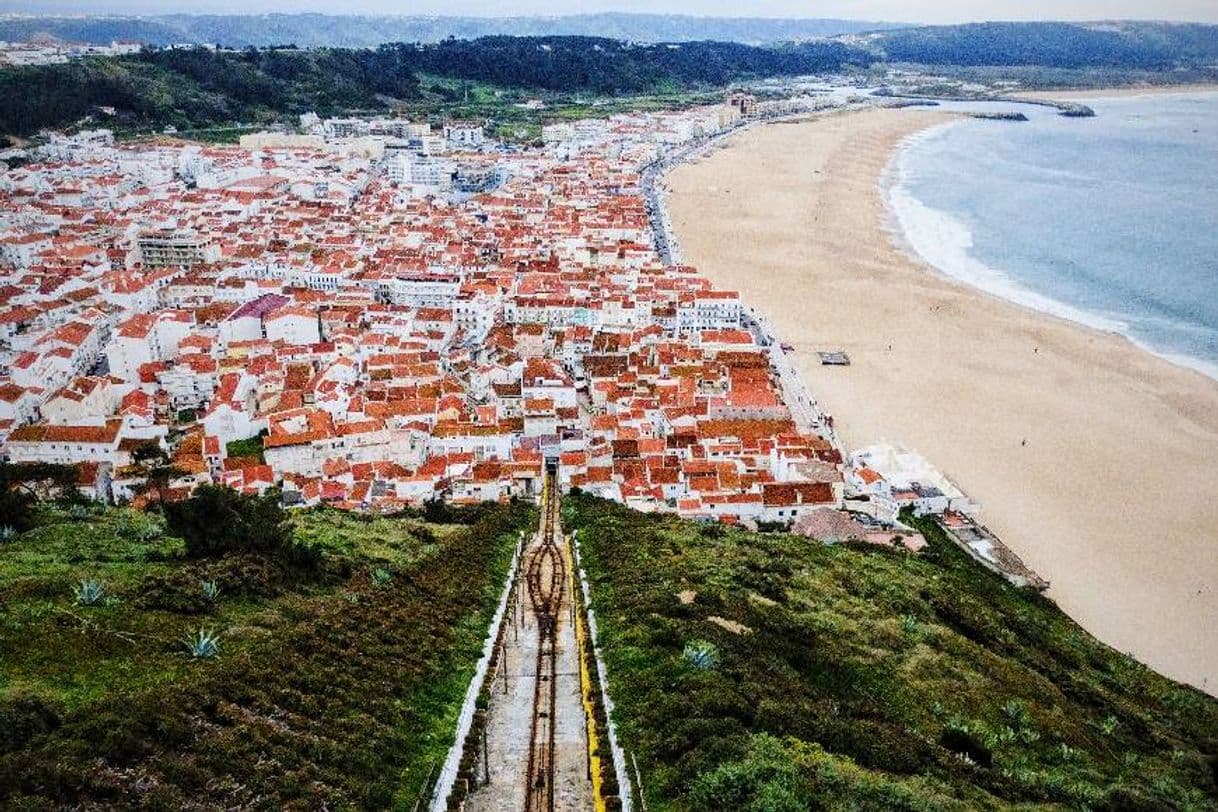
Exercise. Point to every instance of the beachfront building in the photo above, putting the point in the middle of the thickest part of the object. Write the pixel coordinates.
(894, 478)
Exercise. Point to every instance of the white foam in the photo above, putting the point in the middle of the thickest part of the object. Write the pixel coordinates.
(944, 243)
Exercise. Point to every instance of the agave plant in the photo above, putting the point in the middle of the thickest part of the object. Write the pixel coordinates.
(78, 512)
(211, 590)
(701, 654)
(8, 533)
(89, 592)
(203, 644)
(381, 577)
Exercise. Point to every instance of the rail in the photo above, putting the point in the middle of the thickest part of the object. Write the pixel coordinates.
(546, 578)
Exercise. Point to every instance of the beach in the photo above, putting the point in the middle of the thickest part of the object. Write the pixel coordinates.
(1092, 459)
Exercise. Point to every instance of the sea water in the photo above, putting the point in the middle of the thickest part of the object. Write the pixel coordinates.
(1110, 221)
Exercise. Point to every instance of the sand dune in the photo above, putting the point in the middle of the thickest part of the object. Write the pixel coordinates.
(1114, 497)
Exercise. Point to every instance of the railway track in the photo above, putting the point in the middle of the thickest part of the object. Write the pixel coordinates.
(546, 579)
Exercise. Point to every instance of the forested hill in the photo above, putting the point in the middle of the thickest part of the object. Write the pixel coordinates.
(614, 66)
(363, 31)
(1144, 45)
(199, 87)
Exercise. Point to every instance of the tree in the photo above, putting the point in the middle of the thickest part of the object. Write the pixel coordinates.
(16, 509)
(218, 520)
(22, 485)
(153, 464)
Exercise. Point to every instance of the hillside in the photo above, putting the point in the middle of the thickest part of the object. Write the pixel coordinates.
(770, 672)
(337, 685)
(363, 31)
(199, 87)
(1130, 45)
(192, 88)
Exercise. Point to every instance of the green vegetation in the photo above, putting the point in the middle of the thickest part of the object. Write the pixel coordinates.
(23, 485)
(216, 95)
(217, 521)
(244, 449)
(862, 677)
(221, 91)
(1129, 45)
(238, 679)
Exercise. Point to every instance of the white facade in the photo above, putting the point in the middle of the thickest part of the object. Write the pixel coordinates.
(709, 312)
(464, 135)
(293, 328)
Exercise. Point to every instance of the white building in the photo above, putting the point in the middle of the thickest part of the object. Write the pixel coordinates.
(428, 173)
(67, 445)
(293, 324)
(709, 310)
(146, 337)
(895, 478)
(246, 322)
(463, 134)
(422, 289)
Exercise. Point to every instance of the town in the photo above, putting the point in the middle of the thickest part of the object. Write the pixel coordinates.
(605, 411)
(371, 314)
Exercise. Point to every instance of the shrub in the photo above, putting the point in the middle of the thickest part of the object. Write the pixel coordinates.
(1017, 711)
(23, 484)
(174, 592)
(217, 520)
(16, 509)
(22, 717)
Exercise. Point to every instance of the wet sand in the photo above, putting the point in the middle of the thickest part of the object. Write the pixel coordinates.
(1113, 496)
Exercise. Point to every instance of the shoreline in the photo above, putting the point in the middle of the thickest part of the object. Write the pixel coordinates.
(1016, 293)
(1091, 457)
(1120, 92)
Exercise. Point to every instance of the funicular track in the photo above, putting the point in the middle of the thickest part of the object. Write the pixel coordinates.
(534, 743)
(546, 580)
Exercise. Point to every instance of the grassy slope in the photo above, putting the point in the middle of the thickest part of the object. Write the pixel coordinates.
(866, 676)
(330, 689)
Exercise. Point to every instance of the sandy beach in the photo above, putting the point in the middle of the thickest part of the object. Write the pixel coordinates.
(1112, 497)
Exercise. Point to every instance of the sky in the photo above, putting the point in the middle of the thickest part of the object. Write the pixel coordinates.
(928, 11)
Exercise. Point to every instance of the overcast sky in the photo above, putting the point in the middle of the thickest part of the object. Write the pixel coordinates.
(931, 11)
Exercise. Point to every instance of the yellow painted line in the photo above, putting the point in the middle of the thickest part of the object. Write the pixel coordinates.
(585, 686)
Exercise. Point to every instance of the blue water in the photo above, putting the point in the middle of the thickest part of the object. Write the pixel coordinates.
(1111, 221)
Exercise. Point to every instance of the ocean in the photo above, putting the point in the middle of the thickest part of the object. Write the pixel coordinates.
(1109, 221)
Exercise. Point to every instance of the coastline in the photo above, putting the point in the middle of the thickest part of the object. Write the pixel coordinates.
(1127, 91)
(1092, 458)
(993, 282)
